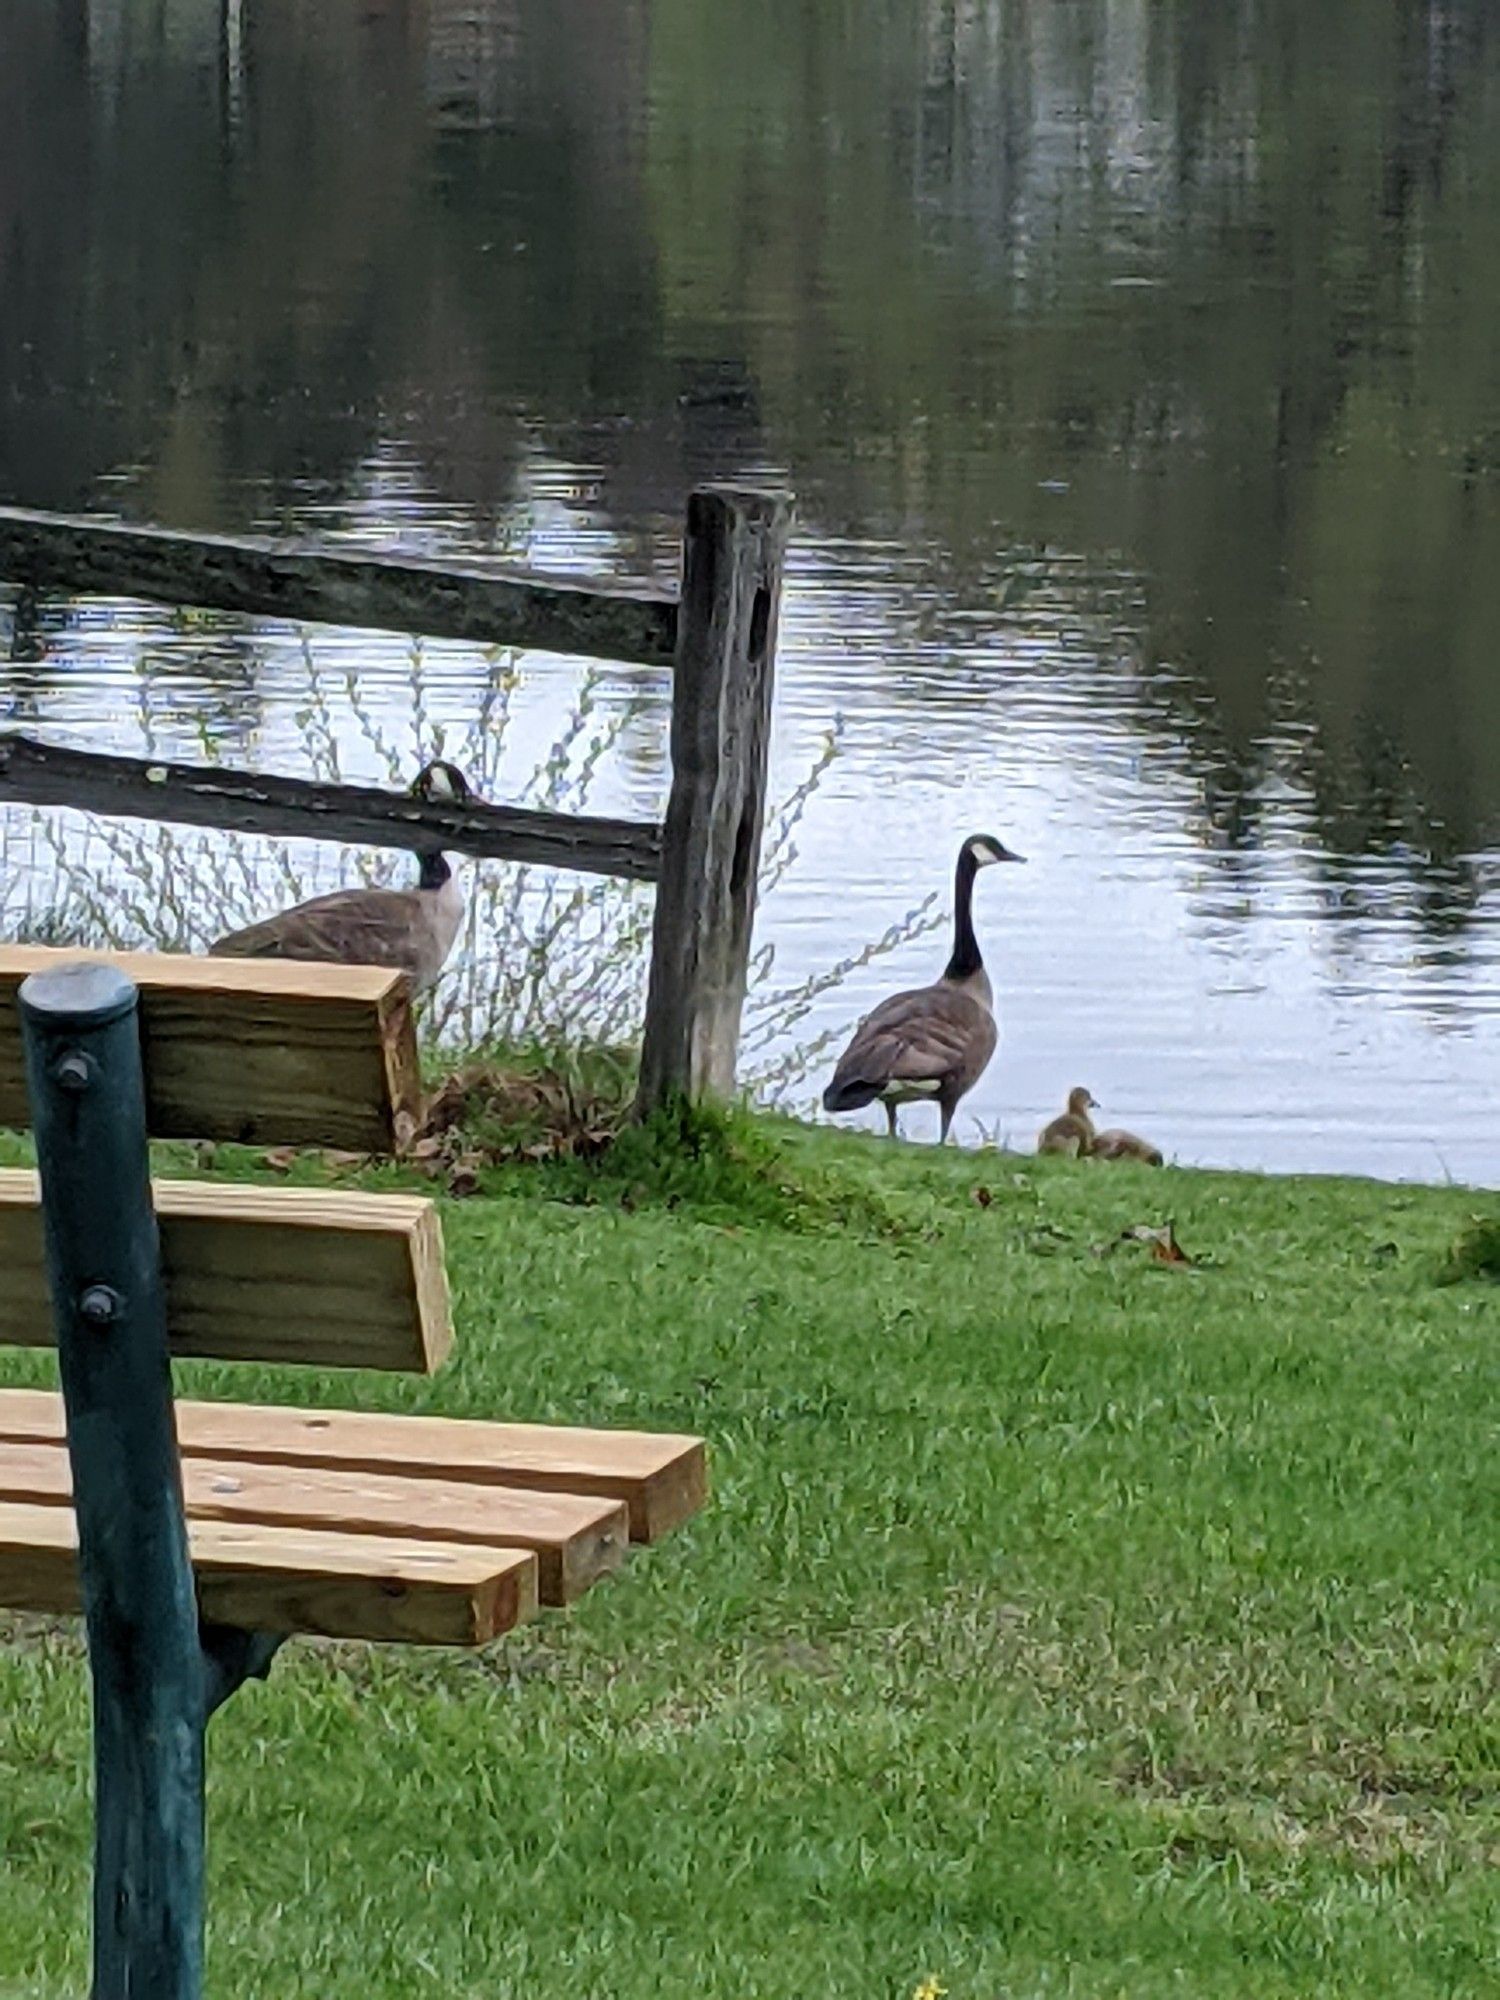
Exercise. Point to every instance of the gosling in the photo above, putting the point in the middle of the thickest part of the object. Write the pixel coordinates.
(1117, 1145)
(1072, 1134)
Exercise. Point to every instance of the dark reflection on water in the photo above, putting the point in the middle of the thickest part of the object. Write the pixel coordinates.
(1134, 365)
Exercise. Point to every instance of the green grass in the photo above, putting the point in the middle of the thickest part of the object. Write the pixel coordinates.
(1062, 1623)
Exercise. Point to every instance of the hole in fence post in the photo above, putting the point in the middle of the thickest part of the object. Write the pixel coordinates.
(744, 846)
(760, 625)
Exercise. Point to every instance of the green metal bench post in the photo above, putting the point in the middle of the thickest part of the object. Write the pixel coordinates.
(155, 1677)
(420, 1530)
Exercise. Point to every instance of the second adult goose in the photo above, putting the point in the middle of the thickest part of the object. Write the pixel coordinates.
(932, 1042)
(409, 930)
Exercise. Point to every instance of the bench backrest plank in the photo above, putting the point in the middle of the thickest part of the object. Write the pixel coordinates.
(326, 1276)
(261, 1051)
(575, 1538)
(661, 1478)
(274, 1579)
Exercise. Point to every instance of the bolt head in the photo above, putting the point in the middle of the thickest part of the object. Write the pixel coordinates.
(74, 1070)
(99, 1305)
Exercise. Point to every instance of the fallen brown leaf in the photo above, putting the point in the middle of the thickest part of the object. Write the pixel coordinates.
(1165, 1249)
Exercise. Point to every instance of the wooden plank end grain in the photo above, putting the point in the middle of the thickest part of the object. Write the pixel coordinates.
(322, 1277)
(295, 1579)
(661, 1477)
(261, 1052)
(575, 1538)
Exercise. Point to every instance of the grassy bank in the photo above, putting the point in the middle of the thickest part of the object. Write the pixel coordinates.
(1063, 1622)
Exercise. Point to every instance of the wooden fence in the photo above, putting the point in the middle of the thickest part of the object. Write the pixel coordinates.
(718, 636)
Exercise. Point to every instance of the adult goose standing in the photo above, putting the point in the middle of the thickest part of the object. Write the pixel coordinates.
(932, 1042)
(410, 930)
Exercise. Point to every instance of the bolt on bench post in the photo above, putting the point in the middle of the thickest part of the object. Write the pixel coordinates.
(83, 1064)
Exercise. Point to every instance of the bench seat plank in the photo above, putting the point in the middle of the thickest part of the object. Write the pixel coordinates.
(329, 1277)
(575, 1538)
(276, 1579)
(264, 1051)
(662, 1478)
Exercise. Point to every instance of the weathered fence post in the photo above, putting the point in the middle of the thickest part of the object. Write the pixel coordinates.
(721, 725)
(83, 1065)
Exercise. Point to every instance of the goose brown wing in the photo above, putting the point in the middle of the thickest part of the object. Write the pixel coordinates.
(933, 1035)
(351, 926)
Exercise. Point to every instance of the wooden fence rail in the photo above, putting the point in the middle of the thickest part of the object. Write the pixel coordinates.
(331, 586)
(55, 774)
(719, 638)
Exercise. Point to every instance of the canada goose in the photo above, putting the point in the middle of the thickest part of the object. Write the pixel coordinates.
(1072, 1133)
(410, 930)
(933, 1041)
(1117, 1145)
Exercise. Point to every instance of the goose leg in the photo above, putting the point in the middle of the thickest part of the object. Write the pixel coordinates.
(947, 1110)
(890, 1120)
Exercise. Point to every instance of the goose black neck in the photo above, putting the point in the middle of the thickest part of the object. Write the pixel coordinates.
(435, 869)
(965, 961)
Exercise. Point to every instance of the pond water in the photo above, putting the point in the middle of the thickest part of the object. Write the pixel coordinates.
(1133, 363)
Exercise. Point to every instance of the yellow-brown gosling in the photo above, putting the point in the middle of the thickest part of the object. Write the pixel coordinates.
(932, 1042)
(1117, 1145)
(1072, 1134)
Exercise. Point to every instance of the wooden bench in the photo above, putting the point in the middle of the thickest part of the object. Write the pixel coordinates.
(196, 1537)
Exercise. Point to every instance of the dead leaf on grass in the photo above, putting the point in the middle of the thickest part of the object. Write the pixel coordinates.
(1165, 1249)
